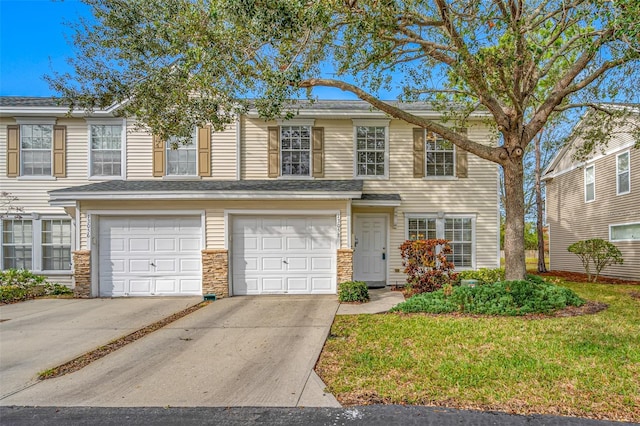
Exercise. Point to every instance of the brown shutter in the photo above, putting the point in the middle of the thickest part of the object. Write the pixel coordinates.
(60, 151)
(13, 150)
(317, 142)
(273, 159)
(204, 151)
(462, 164)
(159, 151)
(418, 153)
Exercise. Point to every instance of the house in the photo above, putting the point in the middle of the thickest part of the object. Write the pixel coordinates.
(597, 198)
(290, 206)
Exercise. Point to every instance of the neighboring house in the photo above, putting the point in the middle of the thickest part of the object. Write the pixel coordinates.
(599, 198)
(292, 206)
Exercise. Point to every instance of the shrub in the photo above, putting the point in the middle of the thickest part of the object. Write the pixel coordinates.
(483, 275)
(353, 291)
(501, 298)
(20, 284)
(426, 265)
(597, 251)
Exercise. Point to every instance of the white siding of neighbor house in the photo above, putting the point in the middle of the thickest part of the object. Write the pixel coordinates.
(476, 195)
(571, 219)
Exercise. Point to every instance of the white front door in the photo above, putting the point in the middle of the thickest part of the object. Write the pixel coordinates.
(150, 256)
(369, 256)
(277, 255)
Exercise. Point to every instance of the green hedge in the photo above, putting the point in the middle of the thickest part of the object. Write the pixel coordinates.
(20, 284)
(501, 298)
(353, 291)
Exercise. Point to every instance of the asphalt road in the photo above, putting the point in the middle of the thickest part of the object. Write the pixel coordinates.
(369, 415)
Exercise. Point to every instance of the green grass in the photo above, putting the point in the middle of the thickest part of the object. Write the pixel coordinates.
(585, 366)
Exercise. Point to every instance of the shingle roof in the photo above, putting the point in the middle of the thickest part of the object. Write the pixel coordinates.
(381, 197)
(215, 186)
(28, 101)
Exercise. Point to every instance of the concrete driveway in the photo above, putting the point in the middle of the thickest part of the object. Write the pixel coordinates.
(41, 334)
(242, 351)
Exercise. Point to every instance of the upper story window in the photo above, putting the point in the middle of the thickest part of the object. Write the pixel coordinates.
(371, 148)
(589, 183)
(440, 156)
(36, 144)
(106, 142)
(623, 174)
(458, 230)
(42, 244)
(295, 150)
(182, 160)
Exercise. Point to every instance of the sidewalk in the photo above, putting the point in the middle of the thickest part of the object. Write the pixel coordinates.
(381, 300)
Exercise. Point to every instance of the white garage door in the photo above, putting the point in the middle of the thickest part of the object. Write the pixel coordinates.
(150, 256)
(295, 255)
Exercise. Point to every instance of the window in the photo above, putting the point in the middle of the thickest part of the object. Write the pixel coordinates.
(422, 229)
(440, 154)
(181, 158)
(622, 173)
(371, 150)
(36, 244)
(459, 231)
(589, 183)
(106, 150)
(36, 142)
(17, 239)
(56, 244)
(295, 150)
(625, 232)
(460, 235)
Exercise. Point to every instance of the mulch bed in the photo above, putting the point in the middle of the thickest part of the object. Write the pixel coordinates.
(86, 359)
(582, 278)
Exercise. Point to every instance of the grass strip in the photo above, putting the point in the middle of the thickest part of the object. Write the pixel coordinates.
(104, 350)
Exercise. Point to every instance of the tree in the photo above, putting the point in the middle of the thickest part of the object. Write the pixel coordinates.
(179, 63)
(598, 252)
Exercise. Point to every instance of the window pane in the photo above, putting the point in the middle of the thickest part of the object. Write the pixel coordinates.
(106, 150)
(181, 160)
(623, 182)
(36, 142)
(56, 244)
(439, 155)
(295, 150)
(370, 145)
(626, 232)
(17, 236)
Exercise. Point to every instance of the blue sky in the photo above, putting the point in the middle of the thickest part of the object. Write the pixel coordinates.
(32, 43)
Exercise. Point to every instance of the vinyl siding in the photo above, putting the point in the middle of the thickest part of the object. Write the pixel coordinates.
(476, 195)
(571, 219)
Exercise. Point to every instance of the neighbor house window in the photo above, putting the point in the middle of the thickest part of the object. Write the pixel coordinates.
(295, 150)
(625, 232)
(36, 142)
(622, 173)
(440, 156)
(17, 244)
(182, 158)
(106, 150)
(36, 244)
(371, 144)
(458, 230)
(589, 183)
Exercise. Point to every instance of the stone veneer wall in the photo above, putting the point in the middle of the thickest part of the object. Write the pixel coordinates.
(345, 265)
(82, 273)
(215, 272)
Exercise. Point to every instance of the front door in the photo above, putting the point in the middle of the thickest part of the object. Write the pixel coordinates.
(369, 256)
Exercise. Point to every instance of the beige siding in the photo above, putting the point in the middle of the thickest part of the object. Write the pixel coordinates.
(571, 219)
(224, 154)
(476, 195)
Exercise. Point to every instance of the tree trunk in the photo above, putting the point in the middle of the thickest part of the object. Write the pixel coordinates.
(515, 268)
(542, 267)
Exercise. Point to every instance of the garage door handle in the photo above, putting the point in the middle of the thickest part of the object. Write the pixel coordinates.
(152, 264)
(285, 262)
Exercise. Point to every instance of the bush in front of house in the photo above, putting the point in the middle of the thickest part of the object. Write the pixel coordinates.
(509, 298)
(20, 284)
(596, 253)
(353, 291)
(483, 275)
(426, 265)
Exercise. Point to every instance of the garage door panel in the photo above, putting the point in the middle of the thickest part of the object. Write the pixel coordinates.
(283, 254)
(144, 256)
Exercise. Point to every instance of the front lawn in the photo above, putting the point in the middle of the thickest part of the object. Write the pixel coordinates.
(579, 366)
